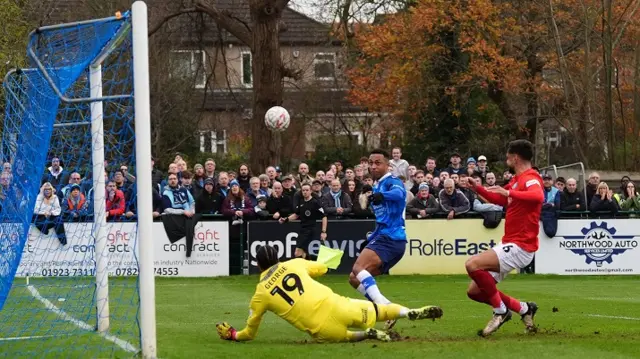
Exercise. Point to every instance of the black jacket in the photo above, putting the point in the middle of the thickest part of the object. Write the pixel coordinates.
(603, 205)
(471, 196)
(156, 177)
(430, 206)
(570, 201)
(282, 205)
(591, 191)
(209, 203)
(243, 182)
(289, 192)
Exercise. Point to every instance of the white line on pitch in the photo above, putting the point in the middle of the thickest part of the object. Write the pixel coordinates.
(27, 338)
(613, 298)
(80, 324)
(611, 317)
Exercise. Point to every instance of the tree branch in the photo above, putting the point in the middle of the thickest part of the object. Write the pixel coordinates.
(291, 73)
(281, 4)
(169, 17)
(236, 27)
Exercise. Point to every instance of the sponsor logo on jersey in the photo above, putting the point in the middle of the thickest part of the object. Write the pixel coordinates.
(532, 183)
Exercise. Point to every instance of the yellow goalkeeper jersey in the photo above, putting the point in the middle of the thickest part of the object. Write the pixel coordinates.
(289, 290)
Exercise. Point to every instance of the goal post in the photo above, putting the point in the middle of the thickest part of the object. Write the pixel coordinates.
(85, 99)
(143, 153)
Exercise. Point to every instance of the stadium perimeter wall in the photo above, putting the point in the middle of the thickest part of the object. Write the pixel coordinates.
(436, 246)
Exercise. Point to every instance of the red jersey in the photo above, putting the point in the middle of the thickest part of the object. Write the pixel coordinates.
(524, 204)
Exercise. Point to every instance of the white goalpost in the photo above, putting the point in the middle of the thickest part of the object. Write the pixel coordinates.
(38, 99)
(144, 168)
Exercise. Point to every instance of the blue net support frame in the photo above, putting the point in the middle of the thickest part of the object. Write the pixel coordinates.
(61, 240)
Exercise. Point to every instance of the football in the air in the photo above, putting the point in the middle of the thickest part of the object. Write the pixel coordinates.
(277, 119)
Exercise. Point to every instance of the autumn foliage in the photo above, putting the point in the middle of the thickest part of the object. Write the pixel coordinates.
(538, 62)
(398, 53)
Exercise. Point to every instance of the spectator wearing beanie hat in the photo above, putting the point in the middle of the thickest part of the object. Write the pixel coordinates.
(237, 205)
(74, 206)
(424, 204)
(261, 208)
(209, 201)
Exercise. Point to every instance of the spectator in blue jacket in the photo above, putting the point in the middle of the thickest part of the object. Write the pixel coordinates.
(179, 218)
(176, 199)
(255, 191)
(551, 193)
(550, 207)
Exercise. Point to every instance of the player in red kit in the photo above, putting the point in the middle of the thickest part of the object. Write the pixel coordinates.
(523, 196)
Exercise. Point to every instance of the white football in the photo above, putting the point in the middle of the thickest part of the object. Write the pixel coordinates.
(277, 119)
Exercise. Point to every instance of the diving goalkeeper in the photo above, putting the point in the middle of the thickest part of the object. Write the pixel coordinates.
(289, 290)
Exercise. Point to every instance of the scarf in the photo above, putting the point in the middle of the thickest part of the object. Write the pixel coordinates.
(233, 203)
(180, 197)
(336, 197)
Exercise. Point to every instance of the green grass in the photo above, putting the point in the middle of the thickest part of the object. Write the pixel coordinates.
(187, 310)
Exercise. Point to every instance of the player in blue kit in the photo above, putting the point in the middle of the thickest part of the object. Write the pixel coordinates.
(387, 244)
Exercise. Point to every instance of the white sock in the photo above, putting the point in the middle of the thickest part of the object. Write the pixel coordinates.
(404, 312)
(523, 308)
(371, 288)
(363, 291)
(501, 310)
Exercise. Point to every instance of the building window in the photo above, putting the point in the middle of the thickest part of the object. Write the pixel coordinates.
(188, 64)
(355, 136)
(213, 141)
(247, 76)
(324, 66)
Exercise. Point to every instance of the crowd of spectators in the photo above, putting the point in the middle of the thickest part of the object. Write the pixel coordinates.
(239, 195)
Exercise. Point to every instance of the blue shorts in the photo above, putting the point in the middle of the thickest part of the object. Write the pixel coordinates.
(389, 251)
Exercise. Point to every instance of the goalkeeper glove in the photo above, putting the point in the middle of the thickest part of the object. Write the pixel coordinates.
(376, 198)
(226, 331)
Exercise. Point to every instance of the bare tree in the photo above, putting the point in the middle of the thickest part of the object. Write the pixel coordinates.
(261, 35)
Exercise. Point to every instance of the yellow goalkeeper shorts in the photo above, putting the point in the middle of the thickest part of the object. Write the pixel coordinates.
(346, 313)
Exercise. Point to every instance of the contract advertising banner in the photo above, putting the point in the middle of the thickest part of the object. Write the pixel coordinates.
(591, 247)
(43, 256)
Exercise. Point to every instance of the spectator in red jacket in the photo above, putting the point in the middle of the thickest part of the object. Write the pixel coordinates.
(115, 202)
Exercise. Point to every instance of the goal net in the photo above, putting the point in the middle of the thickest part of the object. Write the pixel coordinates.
(69, 284)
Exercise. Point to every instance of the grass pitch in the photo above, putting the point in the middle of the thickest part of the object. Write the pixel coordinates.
(579, 317)
(594, 317)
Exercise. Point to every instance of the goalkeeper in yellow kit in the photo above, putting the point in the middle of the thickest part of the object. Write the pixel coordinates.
(289, 290)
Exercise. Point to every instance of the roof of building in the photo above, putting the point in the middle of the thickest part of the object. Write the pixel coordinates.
(296, 27)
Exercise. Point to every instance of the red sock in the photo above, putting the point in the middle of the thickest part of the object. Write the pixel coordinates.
(511, 303)
(487, 285)
(478, 297)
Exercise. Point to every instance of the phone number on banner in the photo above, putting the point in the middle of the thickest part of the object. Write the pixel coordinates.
(118, 272)
(67, 272)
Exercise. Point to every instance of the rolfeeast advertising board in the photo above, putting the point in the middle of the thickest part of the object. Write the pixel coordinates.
(591, 247)
(440, 246)
(346, 235)
(43, 256)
